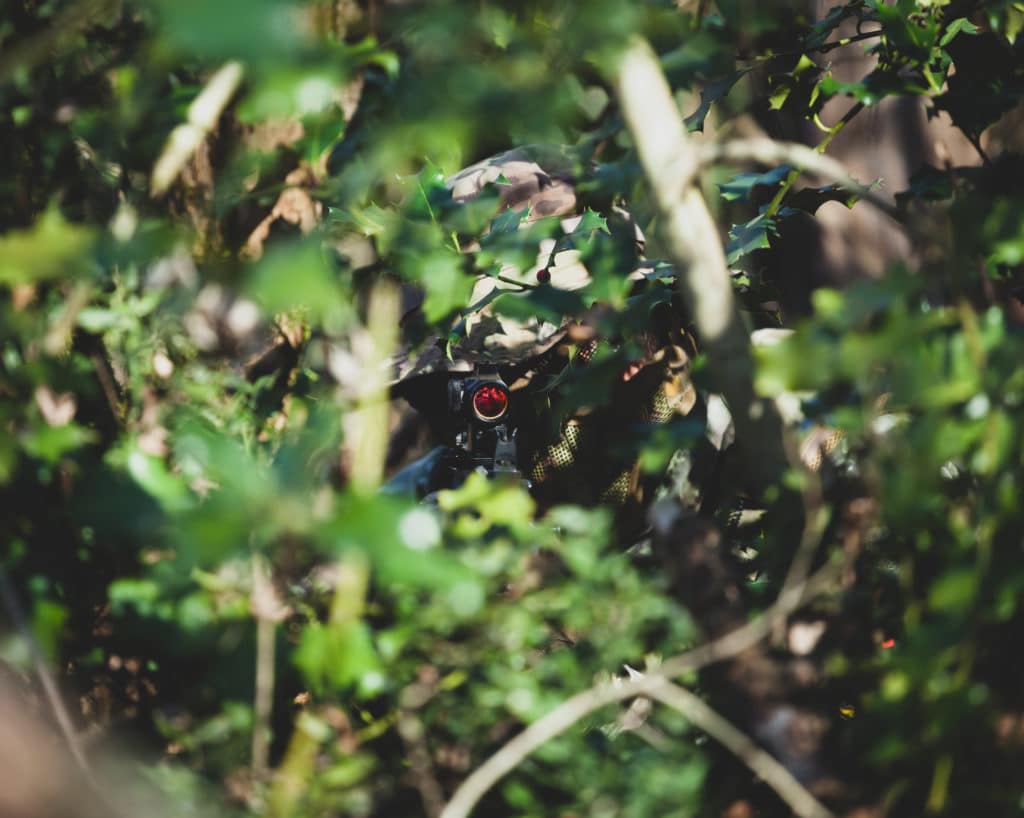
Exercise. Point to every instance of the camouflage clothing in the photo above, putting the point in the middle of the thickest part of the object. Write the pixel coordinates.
(572, 461)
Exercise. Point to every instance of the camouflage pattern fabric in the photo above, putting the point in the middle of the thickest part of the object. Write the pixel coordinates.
(575, 463)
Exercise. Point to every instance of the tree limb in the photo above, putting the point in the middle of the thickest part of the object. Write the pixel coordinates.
(670, 160)
(582, 704)
(743, 747)
(766, 151)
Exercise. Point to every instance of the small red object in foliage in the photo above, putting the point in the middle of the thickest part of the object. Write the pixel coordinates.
(543, 275)
(490, 402)
(889, 643)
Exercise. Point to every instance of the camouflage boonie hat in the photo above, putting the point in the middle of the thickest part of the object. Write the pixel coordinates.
(540, 179)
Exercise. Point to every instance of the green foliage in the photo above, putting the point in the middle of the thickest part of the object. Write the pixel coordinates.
(181, 400)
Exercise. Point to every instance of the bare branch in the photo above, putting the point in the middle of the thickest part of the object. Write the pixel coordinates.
(582, 704)
(766, 151)
(670, 160)
(743, 747)
(264, 604)
(203, 114)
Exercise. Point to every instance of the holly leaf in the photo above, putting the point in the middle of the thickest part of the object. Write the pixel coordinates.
(821, 30)
(927, 184)
(797, 90)
(958, 26)
(913, 36)
(52, 247)
(448, 287)
(591, 221)
(546, 303)
(809, 199)
(874, 87)
(509, 220)
(517, 248)
(740, 187)
(708, 96)
(748, 237)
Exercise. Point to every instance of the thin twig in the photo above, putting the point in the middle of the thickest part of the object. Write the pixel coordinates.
(804, 159)
(421, 767)
(203, 114)
(745, 637)
(524, 286)
(743, 747)
(816, 518)
(821, 49)
(582, 704)
(109, 387)
(776, 202)
(60, 712)
(267, 610)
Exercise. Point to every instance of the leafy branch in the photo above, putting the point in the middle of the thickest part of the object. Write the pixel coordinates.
(652, 684)
(669, 159)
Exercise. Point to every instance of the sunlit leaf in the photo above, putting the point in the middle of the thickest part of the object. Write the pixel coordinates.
(51, 248)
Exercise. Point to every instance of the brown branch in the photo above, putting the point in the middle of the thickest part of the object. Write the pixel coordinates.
(582, 704)
(421, 767)
(669, 160)
(202, 118)
(743, 747)
(267, 609)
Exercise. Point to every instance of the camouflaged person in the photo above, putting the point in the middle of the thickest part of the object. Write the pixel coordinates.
(567, 451)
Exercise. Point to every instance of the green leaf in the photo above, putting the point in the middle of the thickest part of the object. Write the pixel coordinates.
(51, 248)
(914, 36)
(260, 30)
(97, 319)
(447, 285)
(51, 443)
(152, 475)
(591, 221)
(346, 772)
(821, 30)
(797, 90)
(48, 620)
(958, 26)
(508, 221)
(709, 95)
(140, 594)
(518, 248)
(747, 237)
(809, 199)
(296, 275)
(545, 303)
(928, 184)
(333, 657)
(742, 185)
(955, 591)
(291, 93)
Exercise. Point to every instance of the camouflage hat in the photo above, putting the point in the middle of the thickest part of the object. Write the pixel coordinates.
(541, 180)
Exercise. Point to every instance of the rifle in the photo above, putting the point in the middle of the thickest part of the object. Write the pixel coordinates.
(479, 408)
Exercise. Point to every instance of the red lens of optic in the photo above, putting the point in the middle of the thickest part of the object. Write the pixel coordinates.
(490, 402)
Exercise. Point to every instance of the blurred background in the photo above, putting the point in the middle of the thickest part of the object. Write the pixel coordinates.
(220, 225)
